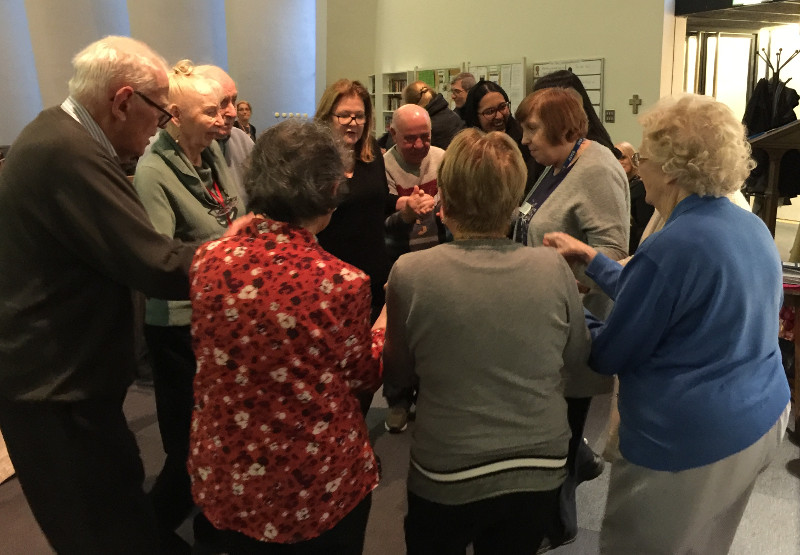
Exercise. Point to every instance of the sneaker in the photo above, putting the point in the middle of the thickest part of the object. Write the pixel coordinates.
(396, 420)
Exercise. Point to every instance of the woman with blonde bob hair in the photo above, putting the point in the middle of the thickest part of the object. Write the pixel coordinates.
(703, 398)
(485, 468)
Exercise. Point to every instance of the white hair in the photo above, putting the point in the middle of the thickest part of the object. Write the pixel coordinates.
(110, 63)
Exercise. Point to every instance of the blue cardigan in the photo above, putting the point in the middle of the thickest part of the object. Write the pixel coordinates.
(693, 337)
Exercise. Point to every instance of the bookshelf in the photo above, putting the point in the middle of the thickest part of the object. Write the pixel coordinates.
(371, 89)
(392, 85)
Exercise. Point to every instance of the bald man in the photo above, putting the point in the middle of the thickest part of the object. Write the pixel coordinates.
(640, 210)
(411, 169)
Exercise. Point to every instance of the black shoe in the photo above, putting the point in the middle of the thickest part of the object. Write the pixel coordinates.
(590, 468)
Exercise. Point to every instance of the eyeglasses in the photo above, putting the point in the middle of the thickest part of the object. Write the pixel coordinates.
(636, 158)
(457, 91)
(345, 119)
(490, 112)
(164, 117)
(412, 139)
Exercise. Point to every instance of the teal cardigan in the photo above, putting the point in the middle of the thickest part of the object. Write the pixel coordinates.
(179, 206)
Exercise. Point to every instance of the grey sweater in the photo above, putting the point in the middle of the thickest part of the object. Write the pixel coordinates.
(592, 204)
(490, 328)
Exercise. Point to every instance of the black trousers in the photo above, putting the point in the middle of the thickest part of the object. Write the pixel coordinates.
(174, 367)
(511, 524)
(79, 468)
(578, 453)
(346, 538)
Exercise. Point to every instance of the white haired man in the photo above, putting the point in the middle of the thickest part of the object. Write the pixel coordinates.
(236, 144)
(76, 243)
(412, 165)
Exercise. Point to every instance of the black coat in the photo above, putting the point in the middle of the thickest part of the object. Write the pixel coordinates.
(772, 105)
(445, 123)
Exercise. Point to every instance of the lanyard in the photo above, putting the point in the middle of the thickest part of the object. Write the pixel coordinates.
(572, 154)
(537, 198)
(219, 198)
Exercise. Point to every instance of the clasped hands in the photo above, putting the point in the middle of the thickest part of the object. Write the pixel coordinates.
(415, 205)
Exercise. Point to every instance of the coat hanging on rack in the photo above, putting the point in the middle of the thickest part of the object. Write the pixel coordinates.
(772, 105)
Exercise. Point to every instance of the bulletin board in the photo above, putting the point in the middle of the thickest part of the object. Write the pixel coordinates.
(439, 79)
(511, 76)
(590, 72)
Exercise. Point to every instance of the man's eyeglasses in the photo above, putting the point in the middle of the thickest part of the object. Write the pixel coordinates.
(636, 158)
(454, 90)
(490, 112)
(345, 119)
(164, 116)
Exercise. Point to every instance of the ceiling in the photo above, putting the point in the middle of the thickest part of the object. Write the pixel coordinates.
(745, 19)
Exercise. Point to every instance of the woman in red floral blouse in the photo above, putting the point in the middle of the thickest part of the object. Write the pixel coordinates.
(280, 452)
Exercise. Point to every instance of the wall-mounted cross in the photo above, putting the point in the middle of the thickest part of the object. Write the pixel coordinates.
(635, 102)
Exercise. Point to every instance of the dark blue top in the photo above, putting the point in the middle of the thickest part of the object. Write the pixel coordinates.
(693, 337)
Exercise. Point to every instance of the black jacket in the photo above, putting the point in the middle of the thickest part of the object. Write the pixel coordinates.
(445, 123)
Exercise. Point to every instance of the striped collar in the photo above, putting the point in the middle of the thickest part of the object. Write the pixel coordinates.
(82, 116)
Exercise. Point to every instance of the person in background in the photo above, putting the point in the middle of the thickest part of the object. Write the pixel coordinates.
(76, 242)
(703, 397)
(444, 122)
(488, 108)
(412, 165)
(459, 87)
(582, 192)
(243, 113)
(185, 187)
(486, 461)
(281, 460)
(236, 144)
(640, 210)
(356, 230)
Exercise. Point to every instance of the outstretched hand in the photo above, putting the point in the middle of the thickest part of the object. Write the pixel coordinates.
(569, 247)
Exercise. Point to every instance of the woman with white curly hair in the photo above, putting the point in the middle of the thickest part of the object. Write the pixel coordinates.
(703, 399)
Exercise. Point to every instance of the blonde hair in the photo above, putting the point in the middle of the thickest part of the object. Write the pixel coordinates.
(184, 78)
(344, 88)
(699, 144)
(111, 63)
(419, 93)
(481, 181)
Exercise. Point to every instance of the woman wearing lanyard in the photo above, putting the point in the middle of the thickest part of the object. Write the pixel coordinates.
(184, 185)
(583, 192)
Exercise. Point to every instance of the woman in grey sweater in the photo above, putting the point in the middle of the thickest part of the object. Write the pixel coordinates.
(491, 329)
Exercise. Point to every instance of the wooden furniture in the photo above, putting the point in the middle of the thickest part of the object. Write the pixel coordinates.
(775, 143)
(791, 297)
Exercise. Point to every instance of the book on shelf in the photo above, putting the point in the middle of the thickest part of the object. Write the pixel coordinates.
(397, 85)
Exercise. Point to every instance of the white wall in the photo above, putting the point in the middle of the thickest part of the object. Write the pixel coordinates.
(19, 86)
(268, 47)
(351, 40)
(626, 33)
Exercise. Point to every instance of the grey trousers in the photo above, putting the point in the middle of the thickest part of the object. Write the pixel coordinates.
(695, 511)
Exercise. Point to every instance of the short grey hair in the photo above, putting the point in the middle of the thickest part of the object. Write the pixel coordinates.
(466, 78)
(111, 63)
(294, 169)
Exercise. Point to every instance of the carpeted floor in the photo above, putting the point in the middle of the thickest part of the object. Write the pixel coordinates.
(771, 524)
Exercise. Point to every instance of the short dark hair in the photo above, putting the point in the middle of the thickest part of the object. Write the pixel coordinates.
(560, 112)
(294, 169)
(476, 93)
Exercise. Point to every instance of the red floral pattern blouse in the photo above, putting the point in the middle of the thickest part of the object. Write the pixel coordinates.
(279, 447)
